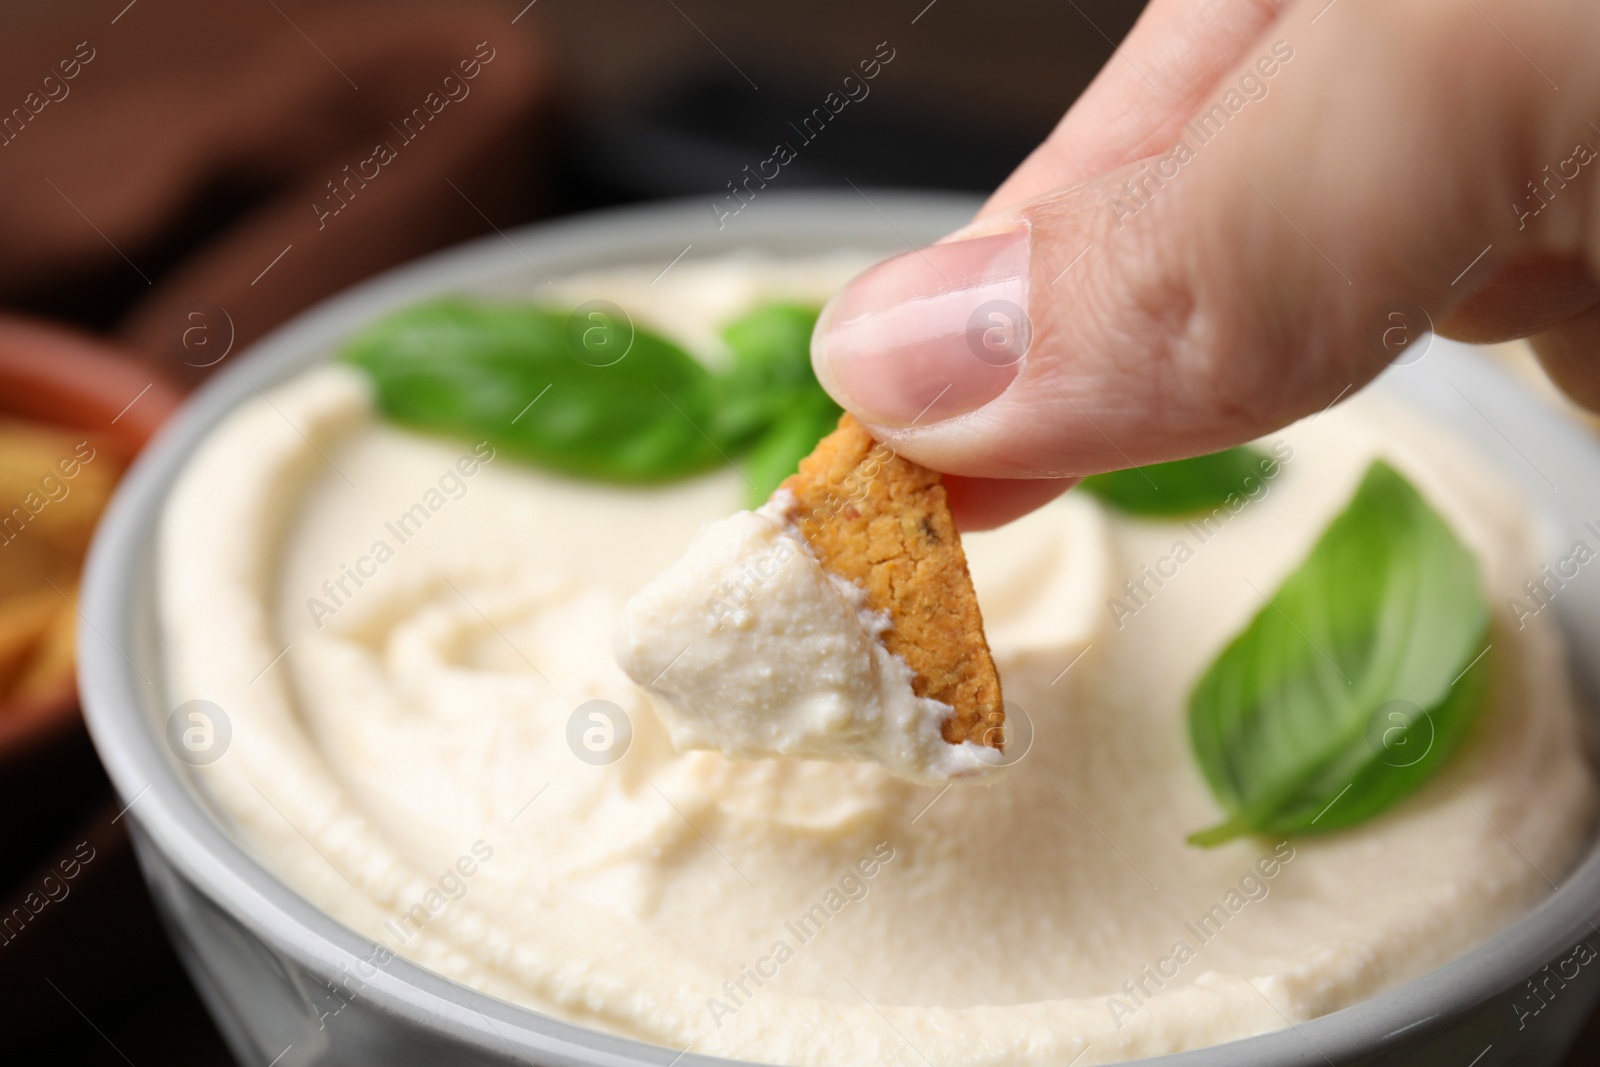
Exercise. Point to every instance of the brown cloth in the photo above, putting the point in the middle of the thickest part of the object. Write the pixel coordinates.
(187, 175)
(223, 166)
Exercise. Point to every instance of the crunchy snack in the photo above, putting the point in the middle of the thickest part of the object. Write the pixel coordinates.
(54, 482)
(883, 522)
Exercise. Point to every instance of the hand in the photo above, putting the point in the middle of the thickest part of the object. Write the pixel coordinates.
(1210, 244)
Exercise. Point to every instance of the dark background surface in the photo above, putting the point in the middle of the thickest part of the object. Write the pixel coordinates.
(645, 99)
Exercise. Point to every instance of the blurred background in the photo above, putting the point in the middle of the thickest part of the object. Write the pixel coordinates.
(177, 178)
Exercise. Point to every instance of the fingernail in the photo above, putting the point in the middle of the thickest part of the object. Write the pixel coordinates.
(929, 335)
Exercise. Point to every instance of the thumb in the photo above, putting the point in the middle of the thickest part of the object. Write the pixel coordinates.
(1365, 157)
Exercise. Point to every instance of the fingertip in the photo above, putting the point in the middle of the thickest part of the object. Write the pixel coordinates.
(985, 503)
(929, 335)
(1566, 352)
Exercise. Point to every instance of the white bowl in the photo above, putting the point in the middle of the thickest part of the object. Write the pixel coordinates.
(263, 957)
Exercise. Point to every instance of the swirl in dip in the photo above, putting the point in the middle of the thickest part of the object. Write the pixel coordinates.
(426, 764)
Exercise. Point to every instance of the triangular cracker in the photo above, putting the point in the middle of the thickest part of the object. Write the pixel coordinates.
(876, 519)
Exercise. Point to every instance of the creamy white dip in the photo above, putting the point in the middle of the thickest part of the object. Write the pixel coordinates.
(753, 649)
(432, 742)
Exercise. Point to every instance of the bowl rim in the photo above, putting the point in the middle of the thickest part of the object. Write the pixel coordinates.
(120, 701)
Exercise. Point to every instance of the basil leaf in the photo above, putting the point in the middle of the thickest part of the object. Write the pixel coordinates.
(655, 414)
(1356, 682)
(1182, 487)
(471, 369)
(771, 383)
(779, 451)
(771, 370)
(772, 346)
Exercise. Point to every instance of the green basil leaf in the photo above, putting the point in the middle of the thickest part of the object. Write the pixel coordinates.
(655, 414)
(772, 344)
(1355, 682)
(1182, 487)
(771, 385)
(471, 369)
(771, 371)
(777, 454)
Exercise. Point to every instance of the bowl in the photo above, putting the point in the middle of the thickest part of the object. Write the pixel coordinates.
(266, 960)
